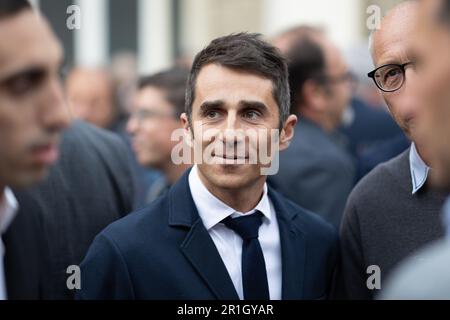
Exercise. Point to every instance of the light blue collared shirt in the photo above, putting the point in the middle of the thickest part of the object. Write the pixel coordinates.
(419, 170)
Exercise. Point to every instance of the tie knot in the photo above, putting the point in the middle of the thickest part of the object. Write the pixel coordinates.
(246, 227)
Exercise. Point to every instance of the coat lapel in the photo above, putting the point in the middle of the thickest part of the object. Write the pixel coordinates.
(293, 250)
(198, 247)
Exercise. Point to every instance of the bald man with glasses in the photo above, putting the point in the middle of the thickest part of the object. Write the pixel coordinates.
(392, 211)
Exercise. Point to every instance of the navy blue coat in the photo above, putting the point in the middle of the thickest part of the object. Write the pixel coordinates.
(164, 252)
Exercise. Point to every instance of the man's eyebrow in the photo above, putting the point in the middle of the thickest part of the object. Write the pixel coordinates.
(34, 70)
(208, 105)
(253, 105)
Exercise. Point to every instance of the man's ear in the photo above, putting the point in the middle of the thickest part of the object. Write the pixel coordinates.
(185, 121)
(287, 133)
(187, 128)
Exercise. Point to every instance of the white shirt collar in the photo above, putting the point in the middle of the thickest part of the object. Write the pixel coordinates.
(211, 210)
(419, 170)
(8, 210)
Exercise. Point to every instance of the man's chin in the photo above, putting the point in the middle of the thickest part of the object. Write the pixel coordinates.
(231, 176)
(30, 178)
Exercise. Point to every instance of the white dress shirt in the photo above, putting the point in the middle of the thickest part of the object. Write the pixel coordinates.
(419, 170)
(8, 210)
(229, 244)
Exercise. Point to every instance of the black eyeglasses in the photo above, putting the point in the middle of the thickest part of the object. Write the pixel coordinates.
(390, 77)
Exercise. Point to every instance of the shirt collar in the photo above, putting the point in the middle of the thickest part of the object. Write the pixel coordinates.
(8, 209)
(211, 210)
(419, 170)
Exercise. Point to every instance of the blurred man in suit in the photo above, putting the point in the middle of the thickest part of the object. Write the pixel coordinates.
(32, 115)
(157, 107)
(425, 275)
(220, 232)
(316, 172)
(393, 211)
(88, 187)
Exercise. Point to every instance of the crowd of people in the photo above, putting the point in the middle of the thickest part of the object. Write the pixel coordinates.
(355, 210)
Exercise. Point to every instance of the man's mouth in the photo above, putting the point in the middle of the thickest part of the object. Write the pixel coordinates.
(229, 159)
(46, 154)
(230, 156)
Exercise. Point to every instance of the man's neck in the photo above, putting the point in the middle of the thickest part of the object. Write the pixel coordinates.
(241, 199)
(422, 154)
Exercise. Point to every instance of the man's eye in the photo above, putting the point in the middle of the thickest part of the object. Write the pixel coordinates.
(252, 115)
(212, 114)
(24, 83)
(393, 72)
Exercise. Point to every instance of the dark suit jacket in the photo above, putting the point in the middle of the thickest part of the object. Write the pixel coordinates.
(369, 127)
(380, 153)
(89, 187)
(26, 254)
(164, 252)
(316, 173)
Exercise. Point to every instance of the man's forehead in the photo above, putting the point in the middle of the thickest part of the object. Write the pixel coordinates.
(217, 83)
(395, 51)
(393, 41)
(27, 39)
(217, 78)
(393, 46)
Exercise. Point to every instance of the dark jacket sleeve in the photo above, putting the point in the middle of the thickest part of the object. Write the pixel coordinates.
(104, 273)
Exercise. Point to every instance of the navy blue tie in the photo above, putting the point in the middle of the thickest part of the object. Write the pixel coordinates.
(254, 275)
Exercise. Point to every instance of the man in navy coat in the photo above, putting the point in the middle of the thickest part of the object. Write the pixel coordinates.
(221, 232)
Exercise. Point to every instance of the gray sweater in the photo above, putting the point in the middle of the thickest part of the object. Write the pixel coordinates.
(384, 223)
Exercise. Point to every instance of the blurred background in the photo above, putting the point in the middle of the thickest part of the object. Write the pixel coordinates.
(160, 32)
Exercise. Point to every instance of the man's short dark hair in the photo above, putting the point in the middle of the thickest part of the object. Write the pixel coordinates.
(306, 61)
(9, 8)
(172, 82)
(445, 11)
(245, 52)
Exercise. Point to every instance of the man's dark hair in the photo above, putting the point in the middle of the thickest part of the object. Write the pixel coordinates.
(306, 61)
(9, 8)
(245, 52)
(445, 11)
(173, 83)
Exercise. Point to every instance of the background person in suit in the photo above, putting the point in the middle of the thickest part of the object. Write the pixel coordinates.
(89, 187)
(32, 116)
(425, 274)
(48, 227)
(393, 211)
(220, 232)
(316, 171)
(157, 106)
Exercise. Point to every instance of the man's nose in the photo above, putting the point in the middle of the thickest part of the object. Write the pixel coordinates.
(132, 125)
(55, 112)
(410, 92)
